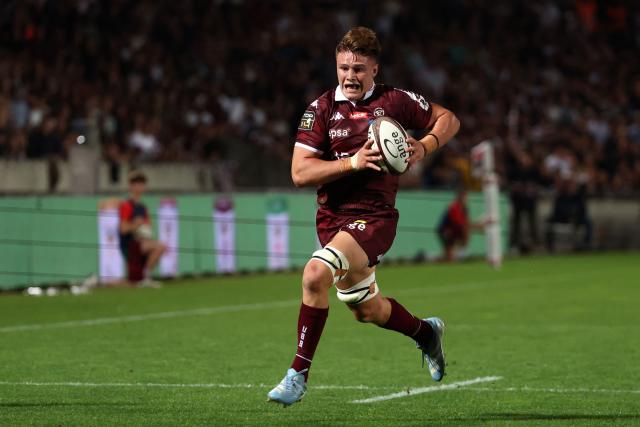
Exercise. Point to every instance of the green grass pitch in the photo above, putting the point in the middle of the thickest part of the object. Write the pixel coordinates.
(563, 333)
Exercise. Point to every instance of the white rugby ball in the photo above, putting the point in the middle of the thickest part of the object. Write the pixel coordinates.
(390, 139)
(144, 232)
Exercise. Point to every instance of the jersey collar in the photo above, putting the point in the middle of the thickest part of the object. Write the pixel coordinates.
(340, 96)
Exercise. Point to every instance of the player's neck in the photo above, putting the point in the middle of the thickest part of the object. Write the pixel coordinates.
(367, 93)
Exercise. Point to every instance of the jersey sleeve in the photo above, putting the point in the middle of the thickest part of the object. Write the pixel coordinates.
(125, 211)
(312, 131)
(457, 215)
(414, 111)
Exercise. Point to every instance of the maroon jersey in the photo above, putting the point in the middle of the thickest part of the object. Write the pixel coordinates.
(334, 127)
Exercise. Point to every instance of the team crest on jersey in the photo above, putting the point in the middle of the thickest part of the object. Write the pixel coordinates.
(378, 112)
(337, 116)
(306, 123)
(358, 115)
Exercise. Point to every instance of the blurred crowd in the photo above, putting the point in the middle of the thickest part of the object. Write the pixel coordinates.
(555, 84)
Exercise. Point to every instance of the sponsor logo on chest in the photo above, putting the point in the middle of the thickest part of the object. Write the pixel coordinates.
(339, 133)
(359, 115)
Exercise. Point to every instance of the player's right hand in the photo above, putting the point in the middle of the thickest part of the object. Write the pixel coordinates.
(367, 157)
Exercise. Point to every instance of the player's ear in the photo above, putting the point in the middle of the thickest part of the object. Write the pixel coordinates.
(375, 69)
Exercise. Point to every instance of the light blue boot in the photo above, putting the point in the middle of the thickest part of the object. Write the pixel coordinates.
(291, 389)
(432, 352)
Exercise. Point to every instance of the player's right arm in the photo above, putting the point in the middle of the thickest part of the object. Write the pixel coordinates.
(309, 166)
(127, 227)
(308, 169)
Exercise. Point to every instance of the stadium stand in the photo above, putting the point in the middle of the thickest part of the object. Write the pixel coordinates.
(185, 81)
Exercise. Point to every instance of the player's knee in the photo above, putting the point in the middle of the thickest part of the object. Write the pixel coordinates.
(360, 293)
(316, 278)
(156, 247)
(331, 260)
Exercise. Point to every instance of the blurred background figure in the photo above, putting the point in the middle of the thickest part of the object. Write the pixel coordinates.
(45, 142)
(570, 216)
(523, 180)
(140, 251)
(454, 228)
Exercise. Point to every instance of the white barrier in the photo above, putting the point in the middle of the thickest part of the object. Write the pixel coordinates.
(32, 177)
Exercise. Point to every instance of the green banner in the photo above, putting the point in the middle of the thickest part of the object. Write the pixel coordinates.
(45, 240)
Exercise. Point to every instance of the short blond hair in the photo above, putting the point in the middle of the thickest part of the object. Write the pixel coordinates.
(361, 40)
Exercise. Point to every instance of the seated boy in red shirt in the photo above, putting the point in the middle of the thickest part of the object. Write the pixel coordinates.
(137, 245)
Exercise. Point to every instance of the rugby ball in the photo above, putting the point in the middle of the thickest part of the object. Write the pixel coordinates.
(390, 139)
(144, 232)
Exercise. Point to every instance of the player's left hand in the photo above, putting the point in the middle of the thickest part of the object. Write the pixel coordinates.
(417, 151)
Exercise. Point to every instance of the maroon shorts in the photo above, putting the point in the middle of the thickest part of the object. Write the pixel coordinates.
(373, 230)
(450, 236)
(135, 261)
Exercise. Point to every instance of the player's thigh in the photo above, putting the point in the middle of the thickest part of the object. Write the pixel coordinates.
(370, 309)
(359, 274)
(358, 260)
(149, 245)
(357, 257)
(344, 253)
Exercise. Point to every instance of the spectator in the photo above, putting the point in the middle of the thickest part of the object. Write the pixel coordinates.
(143, 141)
(44, 142)
(570, 208)
(157, 75)
(17, 146)
(455, 226)
(524, 179)
(140, 251)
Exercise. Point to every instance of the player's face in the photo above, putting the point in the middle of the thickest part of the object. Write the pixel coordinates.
(355, 74)
(137, 188)
(463, 197)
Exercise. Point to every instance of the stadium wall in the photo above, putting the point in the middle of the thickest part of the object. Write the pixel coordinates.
(55, 239)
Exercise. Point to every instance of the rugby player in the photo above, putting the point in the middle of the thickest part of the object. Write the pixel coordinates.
(356, 219)
(140, 251)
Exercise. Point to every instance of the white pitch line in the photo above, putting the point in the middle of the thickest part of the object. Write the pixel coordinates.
(454, 287)
(431, 389)
(223, 309)
(554, 390)
(150, 316)
(454, 386)
(193, 385)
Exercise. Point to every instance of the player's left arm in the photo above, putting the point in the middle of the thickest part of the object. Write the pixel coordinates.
(444, 125)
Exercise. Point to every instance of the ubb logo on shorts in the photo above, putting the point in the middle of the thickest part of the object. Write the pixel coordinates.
(359, 224)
